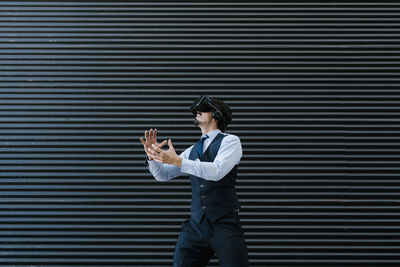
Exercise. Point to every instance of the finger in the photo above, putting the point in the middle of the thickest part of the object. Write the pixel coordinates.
(146, 135)
(156, 148)
(151, 135)
(156, 156)
(155, 153)
(153, 156)
(170, 144)
(141, 140)
(155, 135)
(152, 152)
(162, 144)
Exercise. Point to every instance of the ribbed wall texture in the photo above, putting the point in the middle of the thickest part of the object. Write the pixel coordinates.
(314, 89)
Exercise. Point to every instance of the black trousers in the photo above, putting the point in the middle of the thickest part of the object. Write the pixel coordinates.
(197, 243)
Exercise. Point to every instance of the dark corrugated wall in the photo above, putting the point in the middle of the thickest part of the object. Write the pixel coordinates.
(314, 88)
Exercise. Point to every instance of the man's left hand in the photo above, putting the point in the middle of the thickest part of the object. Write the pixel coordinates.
(166, 156)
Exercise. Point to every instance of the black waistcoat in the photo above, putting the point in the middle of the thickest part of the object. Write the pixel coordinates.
(214, 198)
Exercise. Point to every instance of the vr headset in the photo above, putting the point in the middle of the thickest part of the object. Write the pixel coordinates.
(204, 104)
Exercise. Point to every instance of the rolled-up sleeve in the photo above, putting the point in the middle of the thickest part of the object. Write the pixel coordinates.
(229, 155)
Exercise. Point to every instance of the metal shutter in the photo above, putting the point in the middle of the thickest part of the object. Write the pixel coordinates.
(314, 89)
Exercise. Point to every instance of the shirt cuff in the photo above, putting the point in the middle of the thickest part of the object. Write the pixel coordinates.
(153, 163)
(187, 166)
(150, 163)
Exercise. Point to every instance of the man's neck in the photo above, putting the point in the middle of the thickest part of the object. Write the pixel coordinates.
(206, 131)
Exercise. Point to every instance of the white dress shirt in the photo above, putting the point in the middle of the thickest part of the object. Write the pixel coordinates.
(229, 155)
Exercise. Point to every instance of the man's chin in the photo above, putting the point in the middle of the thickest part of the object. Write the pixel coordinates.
(196, 122)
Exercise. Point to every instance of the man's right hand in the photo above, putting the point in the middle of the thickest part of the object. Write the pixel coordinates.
(151, 138)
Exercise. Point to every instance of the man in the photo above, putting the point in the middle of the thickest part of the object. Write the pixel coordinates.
(212, 163)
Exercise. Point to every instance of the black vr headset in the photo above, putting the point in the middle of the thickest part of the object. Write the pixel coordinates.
(204, 104)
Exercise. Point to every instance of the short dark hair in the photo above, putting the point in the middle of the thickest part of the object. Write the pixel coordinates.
(226, 112)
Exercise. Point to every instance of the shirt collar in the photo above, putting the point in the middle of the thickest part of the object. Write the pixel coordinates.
(212, 134)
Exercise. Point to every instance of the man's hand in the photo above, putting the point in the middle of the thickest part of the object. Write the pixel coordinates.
(151, 139)
(166, 156)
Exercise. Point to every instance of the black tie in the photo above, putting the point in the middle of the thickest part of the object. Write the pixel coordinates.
(200, 148)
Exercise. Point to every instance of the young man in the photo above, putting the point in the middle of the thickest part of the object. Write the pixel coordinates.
(212, 163)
